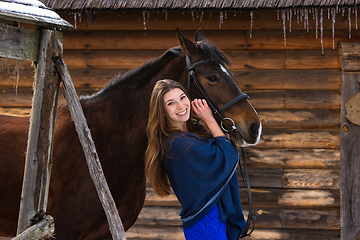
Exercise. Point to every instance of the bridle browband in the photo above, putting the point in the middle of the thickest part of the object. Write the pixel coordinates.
(218, 115)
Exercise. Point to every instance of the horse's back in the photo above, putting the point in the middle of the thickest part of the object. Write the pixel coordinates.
(13, 140)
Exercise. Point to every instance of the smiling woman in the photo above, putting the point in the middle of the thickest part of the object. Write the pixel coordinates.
(209, 194)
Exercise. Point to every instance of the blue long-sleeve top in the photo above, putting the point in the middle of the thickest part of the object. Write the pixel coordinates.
(202, 174)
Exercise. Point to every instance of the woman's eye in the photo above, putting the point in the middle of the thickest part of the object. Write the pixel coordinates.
(183, 97)
(213, 79)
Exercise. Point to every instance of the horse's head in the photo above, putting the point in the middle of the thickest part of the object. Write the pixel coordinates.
(208, 64)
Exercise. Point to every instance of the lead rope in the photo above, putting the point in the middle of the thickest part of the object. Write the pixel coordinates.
(251, 218)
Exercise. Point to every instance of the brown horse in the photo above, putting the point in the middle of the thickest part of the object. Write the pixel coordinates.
(117, 116)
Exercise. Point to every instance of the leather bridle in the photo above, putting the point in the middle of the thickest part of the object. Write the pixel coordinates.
(218, 115)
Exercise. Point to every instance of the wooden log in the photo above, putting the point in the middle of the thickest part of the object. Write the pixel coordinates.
(192, 20)
(38, 161)
(300, 139)
(223, 39)
(349, 159)
(27, 43)
(247, 80)
(20, 112)
(44, 229)
(264, 99)
(293, 158)
(311, 59)
(300, 119)
(158, 39)
(299, 39)
(349, 54)
(311, 219)
(311, 179)
(129, 59)
(91, 156)
(288, 79)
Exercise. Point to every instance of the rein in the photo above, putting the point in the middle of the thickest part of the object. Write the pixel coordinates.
(218, 114)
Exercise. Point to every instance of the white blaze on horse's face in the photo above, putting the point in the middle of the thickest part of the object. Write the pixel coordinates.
(224, 69)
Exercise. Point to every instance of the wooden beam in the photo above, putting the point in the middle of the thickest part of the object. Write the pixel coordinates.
(19, 43)
(349, 56)
(349, 162)
(43, 229)
(41, 134)
(92, 158)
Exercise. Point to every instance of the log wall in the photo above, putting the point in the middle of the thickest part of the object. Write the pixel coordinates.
(295, 170)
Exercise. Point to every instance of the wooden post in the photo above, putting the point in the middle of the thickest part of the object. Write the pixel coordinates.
(41, 133)
(92, 158)
(349, 54)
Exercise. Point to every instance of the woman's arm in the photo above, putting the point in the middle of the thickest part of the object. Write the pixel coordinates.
(203, 112)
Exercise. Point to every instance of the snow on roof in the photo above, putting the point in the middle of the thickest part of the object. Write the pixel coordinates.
(31, 11)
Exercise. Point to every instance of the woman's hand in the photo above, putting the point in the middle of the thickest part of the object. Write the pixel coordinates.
(204, 113)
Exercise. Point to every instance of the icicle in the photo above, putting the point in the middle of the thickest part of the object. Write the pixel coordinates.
(356, 25)
(322, 30)
(278, 14)
(290, 19)
(75, 19)
(234, 13)
(225, 14)
(192, 14)
(349, 18)
(333, 13)
(284, 24)
(306, 20)
(144, 20)
(298, 16)
(201, 16)
(343, 12)
(221, 21)
(251, 22)
(328, 13)
(148, 16)
(316, 23)
(166, 15)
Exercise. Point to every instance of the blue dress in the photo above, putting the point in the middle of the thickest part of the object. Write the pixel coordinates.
(208, 228)
(202, 175)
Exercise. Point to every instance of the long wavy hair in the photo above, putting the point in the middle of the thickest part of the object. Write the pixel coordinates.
(158, 129)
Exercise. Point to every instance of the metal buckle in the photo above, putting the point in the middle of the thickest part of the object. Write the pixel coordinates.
(233, 127)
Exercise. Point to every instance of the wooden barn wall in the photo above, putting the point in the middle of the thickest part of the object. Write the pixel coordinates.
(294, 171)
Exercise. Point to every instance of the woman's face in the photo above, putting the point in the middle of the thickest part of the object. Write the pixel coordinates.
(177, 105)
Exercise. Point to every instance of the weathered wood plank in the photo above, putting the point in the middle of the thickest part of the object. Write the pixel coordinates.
(247, 80)
(293, 158)
(19, 43)
(138, 232)
(288, 79)
(264, 99)
(92, 159)
(311, 179)
(192, 20)
(38, 161)
(21, 112)
(311, 219)
(300, 119)
(300, 139)
(311, 59)
(158, 39)
(223, 39)
(350, 162)
(268, 198)
(129, 59)
(349, 55)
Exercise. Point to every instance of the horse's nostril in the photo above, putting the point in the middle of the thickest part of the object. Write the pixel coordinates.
(254, 130)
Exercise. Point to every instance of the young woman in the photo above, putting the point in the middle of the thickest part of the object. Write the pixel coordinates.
(200, 166)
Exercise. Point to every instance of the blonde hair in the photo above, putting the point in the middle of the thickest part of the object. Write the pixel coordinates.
(159, 128)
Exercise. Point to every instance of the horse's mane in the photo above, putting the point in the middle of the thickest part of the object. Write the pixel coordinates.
(139, 76)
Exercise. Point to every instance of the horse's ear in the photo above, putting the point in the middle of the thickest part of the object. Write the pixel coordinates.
(188, 47)
(200, 36)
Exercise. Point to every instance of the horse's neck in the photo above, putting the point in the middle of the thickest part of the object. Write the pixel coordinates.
(131, 94)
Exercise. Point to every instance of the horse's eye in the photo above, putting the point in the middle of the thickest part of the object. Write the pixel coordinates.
(213, 79)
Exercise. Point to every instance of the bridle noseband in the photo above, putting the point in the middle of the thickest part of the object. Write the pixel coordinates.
(218, 115)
